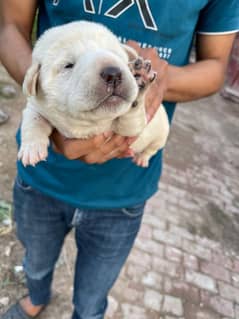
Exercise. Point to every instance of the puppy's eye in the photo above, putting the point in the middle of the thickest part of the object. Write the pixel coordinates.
(69, 66)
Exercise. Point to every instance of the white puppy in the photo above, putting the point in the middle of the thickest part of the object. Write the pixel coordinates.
(80, 83)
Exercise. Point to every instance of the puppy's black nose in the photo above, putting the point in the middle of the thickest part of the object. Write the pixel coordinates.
(111, 75)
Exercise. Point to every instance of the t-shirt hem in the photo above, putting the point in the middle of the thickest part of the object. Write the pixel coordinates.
(218, 33)
(116, 203)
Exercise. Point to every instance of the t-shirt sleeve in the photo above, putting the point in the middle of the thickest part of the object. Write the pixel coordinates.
(219, 16)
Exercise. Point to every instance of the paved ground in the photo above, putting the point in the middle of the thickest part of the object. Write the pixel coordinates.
(185, 262)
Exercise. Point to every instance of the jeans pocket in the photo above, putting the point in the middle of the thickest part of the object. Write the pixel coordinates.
(134, 211)
(22, 185)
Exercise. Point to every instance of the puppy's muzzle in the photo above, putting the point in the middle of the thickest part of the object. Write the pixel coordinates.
(112, 76)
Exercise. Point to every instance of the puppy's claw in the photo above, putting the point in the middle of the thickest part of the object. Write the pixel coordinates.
(138, 63)
(147, 65)
(141, 160)
(154, 76)
(32, 153)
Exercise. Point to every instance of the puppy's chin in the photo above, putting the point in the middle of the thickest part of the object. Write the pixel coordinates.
(115, 104)
(112, 101)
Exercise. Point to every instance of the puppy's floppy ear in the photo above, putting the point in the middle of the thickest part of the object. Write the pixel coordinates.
(30, 82)
(131, 52)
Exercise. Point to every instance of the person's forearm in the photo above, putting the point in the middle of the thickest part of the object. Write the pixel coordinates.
(15, 52)
(194, 81)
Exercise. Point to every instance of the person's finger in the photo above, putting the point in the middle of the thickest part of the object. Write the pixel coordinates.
(114, 143)
(127, 154)
(99, 154)
(131, 140)
(75, 148)
(115, 153)
(98, 157)
(92, 158)
(107, 151)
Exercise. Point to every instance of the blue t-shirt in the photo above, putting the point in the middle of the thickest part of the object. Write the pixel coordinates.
(169, 26)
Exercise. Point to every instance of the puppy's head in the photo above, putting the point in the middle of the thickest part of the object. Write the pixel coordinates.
(81, 67)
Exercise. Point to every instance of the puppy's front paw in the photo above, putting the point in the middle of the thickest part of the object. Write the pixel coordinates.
(143, 73)
(141, 160)
(32, 153)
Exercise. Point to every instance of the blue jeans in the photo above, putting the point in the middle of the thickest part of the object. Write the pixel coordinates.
(104, 239)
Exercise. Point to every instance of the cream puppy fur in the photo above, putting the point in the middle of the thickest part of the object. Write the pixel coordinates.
(80, 83)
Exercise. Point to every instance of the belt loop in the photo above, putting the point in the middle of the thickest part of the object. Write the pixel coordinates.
(55, 2)
(77, 217)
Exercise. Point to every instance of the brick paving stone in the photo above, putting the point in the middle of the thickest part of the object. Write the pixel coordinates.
(132, 295)
(223, 307)
(150, 246)
(133, 312)
(197, 250)
(176, 192)
(138, 257)
(215, 271)
(220, 259)
(153, 279)
(205, 297)
(167, 238)
(146, 231)
(182, 289)
(237, 312)
(154, 221)
(153, 300)
(170, 214)
(220, 305)
(172, 305)
(182, 232)
(166, 267)
(173, 200)
(208, 243)
(201, 281)
(163, 186)
(157, 205)
(228, 292)
(148, 209)
(191, 261)
(236, 265)
(235, 279)
(167, 285)
(173, 254)
(188, 205)
(119, 286)
(113, 306)
(205, 314)
(135, 272)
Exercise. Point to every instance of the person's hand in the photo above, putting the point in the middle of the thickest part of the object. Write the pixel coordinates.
(95, 150)
(155, 94)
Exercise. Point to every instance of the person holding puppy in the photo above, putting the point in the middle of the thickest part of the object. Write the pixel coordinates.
(92, 184)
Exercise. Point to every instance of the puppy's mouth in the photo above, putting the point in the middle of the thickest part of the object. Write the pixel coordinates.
(112, 99)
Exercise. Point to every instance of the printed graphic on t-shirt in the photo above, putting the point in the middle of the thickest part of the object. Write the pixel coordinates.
(123, 5)
(118, 9)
